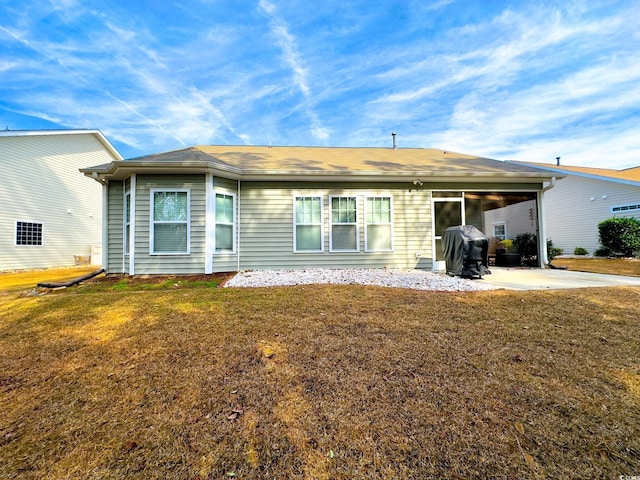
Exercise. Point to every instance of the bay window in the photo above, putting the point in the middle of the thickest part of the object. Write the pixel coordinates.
(170, 215)
(225, 223)
(127, 222)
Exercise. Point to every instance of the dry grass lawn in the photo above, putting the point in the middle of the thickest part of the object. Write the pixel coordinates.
(20, 280)
(618, 266)
(185, 380)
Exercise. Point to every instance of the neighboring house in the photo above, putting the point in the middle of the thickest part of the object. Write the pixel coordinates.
(229, 208)
(51, 216)
(586, 197)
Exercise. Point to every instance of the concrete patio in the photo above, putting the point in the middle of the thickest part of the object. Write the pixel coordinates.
(549, 279)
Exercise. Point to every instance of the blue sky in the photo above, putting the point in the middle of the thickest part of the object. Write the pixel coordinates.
(518, 80)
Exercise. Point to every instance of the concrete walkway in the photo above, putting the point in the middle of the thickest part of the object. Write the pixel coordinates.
(548, 279)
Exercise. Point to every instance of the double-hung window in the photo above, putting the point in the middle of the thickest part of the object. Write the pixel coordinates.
(344, 225)
(170, 233)
(500, 230)
(379, 224)
(308, 224)
(225, 224)
(127, 222)
(29, 234)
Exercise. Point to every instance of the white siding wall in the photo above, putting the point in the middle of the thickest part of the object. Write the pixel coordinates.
(519, 218)
(572, 217)
(40, 182)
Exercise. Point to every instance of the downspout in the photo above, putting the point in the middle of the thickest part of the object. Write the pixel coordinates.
(238, 228)
(105, 224)
(105, 218)
(542, 237)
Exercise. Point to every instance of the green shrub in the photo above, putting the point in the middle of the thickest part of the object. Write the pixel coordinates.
(580, 251)
(552, 252)
(620, 235)
(602, 252)
(527, 245)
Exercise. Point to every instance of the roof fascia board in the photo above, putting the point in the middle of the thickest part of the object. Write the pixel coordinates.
(592, 176)
(123, 169)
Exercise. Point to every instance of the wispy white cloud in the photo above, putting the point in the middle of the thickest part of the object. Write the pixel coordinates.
(511, 82)
(288, 44)
(534, 123)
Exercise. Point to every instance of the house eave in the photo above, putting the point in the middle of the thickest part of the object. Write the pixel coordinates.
(124, 169)
(560, 172)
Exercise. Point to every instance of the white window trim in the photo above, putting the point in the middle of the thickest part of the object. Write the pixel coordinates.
(295, 224)
(15, 234)
(233, 223)
(126, 245)
(493, 229)
(131, 269)
(631, 208)
(331, 224)
(366, 224)
(152, 222)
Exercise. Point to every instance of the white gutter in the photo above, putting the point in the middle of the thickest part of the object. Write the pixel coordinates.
(105, 225)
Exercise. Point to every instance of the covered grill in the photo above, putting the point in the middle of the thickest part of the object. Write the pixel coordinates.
(466, 251)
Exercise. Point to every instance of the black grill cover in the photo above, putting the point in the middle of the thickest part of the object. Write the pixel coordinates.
(466, 251)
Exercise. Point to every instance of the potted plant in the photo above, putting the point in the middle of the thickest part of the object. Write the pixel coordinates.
(507, 255)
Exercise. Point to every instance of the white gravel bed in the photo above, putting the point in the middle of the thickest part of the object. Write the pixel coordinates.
(398, 278)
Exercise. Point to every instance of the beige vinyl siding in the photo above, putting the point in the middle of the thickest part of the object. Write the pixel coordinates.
(225, 184)
(41, 183)
(575, 207)
(266, 231)
(226, 262)
(191, 263)
(115, 226)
